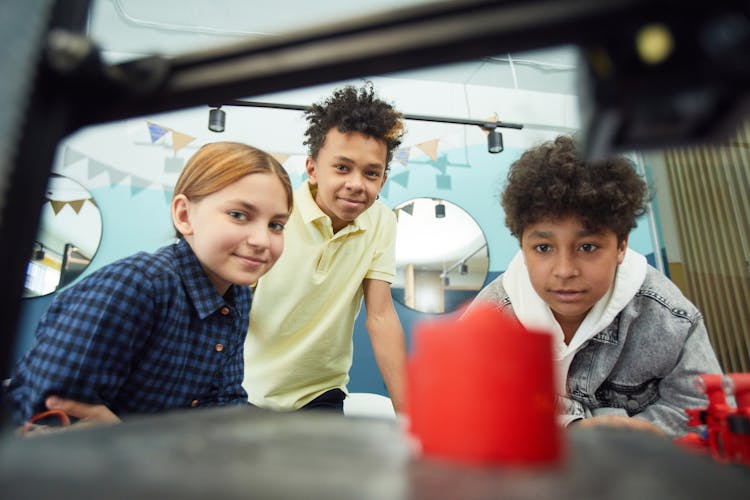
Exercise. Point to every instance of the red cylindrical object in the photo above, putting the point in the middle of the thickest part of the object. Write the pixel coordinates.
(481, 389)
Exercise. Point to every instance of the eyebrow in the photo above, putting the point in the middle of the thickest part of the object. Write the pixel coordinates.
(549, 234)
(350, 161)
(252, 208)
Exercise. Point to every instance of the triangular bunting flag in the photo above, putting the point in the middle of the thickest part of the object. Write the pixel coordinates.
(173, 164)
(156, 131)
(490, 119)
(76, 205)
(180, 140)
(408, 208)
(401, 179)
(93, 202)
(57, 205)
(116, 176)
(137, 184)
(384, 190)
(280, 157)
(443, 182)
(71, 156)
(402, 156)
(96, 167)
(429, 148)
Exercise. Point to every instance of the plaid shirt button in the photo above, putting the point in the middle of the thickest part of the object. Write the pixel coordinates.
(219, 347)
(194, 403)
(225, 310)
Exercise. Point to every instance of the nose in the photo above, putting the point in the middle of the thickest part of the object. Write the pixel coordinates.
(258, 236)
(565, 266)
(355, 182)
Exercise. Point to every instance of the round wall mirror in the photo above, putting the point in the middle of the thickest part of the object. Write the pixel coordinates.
(70, 229)
(441, 256)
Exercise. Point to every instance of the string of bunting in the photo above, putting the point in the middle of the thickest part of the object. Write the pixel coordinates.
(76, 205)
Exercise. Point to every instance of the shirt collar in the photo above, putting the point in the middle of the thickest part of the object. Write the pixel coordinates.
(304, 201)
(199, 288)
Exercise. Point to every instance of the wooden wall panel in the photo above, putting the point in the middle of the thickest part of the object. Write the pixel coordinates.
(711, 195)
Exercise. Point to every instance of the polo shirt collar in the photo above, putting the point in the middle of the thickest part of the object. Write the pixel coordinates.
(310, 211)
(199, 288)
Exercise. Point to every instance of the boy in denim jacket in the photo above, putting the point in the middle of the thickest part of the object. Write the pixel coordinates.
(627, 344)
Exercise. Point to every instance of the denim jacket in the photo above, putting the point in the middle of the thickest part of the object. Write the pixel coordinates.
(642, 364)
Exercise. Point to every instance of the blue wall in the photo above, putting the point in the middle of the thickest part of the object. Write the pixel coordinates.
(469, 177)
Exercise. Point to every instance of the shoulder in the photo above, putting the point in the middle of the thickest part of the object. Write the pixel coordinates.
(138, 271)
(380, 213)
(660, 291)
(494, 292)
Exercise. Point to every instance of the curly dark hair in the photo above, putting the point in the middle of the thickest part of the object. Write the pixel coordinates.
(553, 181)
(354, 110)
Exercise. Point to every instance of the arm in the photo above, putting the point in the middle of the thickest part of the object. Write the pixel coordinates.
(387, 338)
(677, 390)
(84, 344)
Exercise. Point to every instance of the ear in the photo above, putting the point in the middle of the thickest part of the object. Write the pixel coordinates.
(181, 214)
(311, 167)
(621, 248)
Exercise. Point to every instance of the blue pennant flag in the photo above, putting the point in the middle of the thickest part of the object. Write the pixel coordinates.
(402, 156)
(156, 131)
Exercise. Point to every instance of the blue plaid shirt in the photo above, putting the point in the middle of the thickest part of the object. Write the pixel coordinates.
(144, 334)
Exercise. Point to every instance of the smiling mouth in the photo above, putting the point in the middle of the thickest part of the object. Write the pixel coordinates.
(254, 261)
(352, 202)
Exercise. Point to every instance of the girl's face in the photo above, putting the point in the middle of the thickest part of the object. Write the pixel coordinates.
(570, 268)
(237, 232)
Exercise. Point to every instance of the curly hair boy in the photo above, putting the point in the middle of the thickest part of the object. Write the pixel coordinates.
(627, 343)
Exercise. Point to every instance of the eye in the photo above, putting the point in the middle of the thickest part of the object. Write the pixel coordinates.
(589, 247)
(341, 168)
(543, 248)
(237, 215)
(276, 226)
(373, 174)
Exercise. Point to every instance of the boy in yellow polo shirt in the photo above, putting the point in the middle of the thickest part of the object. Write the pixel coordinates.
(340, 248)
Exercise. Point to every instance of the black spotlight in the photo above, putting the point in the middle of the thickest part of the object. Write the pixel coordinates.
(495, 141)
(464, 268)
(216, 119)
(439, 210)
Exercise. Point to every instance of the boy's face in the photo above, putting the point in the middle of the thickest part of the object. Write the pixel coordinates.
(349, 173)
(570, 268)
(237, 232)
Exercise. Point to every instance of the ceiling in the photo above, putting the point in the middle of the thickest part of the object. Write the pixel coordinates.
(127, 29)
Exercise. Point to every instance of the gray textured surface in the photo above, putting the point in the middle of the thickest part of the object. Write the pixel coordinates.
(248, 453)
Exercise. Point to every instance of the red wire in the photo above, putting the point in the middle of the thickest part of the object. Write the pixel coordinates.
(64, 420)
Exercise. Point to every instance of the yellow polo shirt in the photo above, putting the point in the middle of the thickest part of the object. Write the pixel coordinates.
(299, 344)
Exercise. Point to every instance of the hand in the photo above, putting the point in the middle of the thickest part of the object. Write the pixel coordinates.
(85, 413)
(620, 421)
